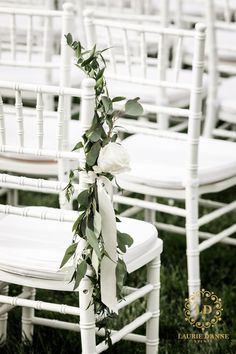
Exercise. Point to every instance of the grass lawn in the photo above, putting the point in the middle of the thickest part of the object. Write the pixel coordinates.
(218, 274)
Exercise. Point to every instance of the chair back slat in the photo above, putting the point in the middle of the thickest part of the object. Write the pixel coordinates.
(61, 144)
(2, 125)
(111, 53)
(39, 114)
(126, 51)
(178, 58)
(143, 54)
(13, 37)
(19, 118)
(29, 39)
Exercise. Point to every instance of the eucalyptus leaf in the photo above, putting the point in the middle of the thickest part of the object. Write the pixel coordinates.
(121, 273)
(80, 273)
(93, 153)
(83, 198)
(69, 253)
(69, 39)
(78, 221)
(124, 240)
(133, 108)
(118, 99)
(92, 240)
(96, 134)
(78, 146)
(107, 103)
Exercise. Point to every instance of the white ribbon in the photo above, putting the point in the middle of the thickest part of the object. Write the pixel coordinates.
(109, 234)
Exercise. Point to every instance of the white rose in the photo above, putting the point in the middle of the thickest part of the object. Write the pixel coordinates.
(113, 158)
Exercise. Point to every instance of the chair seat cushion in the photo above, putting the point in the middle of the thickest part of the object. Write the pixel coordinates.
(225, 40)
(150, 94)
(189, 8)
(34, 248)
(36, 75)
(30, 132)
(161, 162)
(226, 95)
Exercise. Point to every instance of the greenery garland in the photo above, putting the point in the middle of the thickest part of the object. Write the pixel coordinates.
(87, 226)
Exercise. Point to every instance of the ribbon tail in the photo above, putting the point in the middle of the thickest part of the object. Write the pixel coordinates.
(108, 264)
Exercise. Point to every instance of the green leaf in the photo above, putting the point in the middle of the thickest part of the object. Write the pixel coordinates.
(124, 240)
(96, 134)
(78, 146)
(78, 50)
(69, 253)
(92, 240)
(93, 153)
(69, 39)
(118, 99)
(100, 73)
(121, 272)
(83, 198)
(80, 273)
(114, 137)
(99, 82)
(77, 222)
(107, 103)
(133, 107)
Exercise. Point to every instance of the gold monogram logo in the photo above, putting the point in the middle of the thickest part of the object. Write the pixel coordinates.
(203, 309)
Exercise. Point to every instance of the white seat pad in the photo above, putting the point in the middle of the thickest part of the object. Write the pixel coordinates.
(36, 75)
(35, 248)
(226, 95)
(160, 162)
(150, 94)
(30, 132)
(188, 7)
(225, 39)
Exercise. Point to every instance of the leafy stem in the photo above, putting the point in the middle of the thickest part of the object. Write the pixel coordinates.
(88, 224)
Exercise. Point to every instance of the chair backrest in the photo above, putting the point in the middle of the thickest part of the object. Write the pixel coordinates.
(141, 59)
(28, 40)
(221, 58)
(121, 6)
(58, 148)
(36, 4)
(130, 38)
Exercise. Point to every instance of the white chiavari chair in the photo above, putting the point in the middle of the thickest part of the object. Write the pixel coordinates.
(222, 14)
(35, 64)
(33, 241)
(39, 4)
(31, 56)
(221, 104)
(130, 69)
(106, 7)
(181, 166)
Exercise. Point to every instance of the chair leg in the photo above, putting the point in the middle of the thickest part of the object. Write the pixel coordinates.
(87, 317)
(150, 215)
(3, 319)
(192, 241)
(153, 305)
(12, 197)
(27, 315)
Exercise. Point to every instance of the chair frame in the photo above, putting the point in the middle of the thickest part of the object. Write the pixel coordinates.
(214, 112)
(192, 191)
(26, 299)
